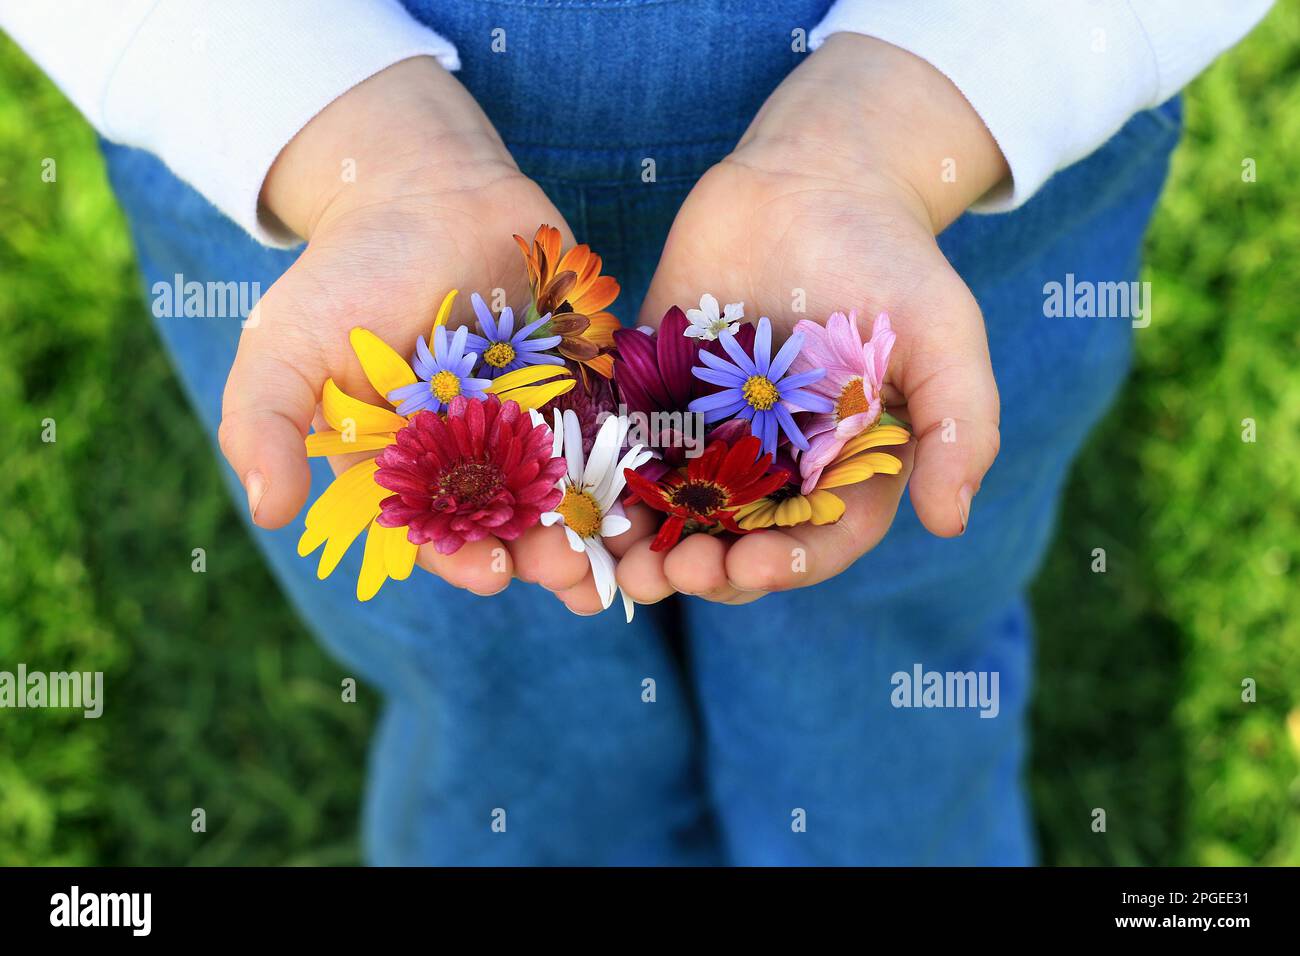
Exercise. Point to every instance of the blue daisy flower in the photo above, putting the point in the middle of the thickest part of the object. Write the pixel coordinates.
(443, 375)
(504, 350)
(757, 389)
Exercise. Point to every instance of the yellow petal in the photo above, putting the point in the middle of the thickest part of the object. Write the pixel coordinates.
(756, 514)
(374, 567)
(538, 395)
(883, 463)
(399, 553)
(859, 468)
(845, 473)
(385, 369)
(342, 410)
(880, 435)
(793, 511)
(528, 375)
(444, 310)
(335, 500)
(348, 505)
(826, 507)
(333, 443)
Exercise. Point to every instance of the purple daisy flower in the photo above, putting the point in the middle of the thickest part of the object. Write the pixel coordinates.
(504, 350)
(444, 374)
(757, 389)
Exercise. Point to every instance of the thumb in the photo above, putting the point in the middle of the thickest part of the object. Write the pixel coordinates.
(266, 413)
(952, 401)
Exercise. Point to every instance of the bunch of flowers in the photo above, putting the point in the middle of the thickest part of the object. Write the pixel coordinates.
(564, 419)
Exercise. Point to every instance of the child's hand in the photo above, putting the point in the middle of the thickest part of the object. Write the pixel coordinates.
(404, 191)
(831, 202)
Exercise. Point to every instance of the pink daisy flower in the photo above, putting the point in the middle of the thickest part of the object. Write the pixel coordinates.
(855, 377)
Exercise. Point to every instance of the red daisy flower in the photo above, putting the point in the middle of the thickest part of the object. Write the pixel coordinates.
(483, 470)
(703, 495)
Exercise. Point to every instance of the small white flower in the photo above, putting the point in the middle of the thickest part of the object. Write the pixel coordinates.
(590, 510)
(707, 323)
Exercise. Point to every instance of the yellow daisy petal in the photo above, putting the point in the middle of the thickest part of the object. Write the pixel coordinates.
(826, 507)
(342, 410)
(385, 369)
(883, 463)
(374, 572)
(333, 443)
(348, 505)
(756, 514)
(444, 310)
(388, 554)
(528, 375)
(399, 553)
(880, 435)
(538, 395)
(324, 513)
(845, 473)
(859, 468)
(793, 511)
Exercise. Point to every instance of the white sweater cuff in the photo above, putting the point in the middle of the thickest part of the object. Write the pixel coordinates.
(1052, 81)
(216, 89)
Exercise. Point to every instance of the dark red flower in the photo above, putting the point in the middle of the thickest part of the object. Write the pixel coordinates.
(483, 470)
(653, 375)
(653, 372)
(703, 495)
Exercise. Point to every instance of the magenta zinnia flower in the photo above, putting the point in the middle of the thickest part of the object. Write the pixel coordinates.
(854, 382)
(484, 470)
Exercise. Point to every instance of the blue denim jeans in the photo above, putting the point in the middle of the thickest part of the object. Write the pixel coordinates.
(772, 738)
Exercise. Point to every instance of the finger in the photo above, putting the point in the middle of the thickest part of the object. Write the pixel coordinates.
(778, 559)
(698, 566)
(543, 556)
(944, 370)
(640, 573)
(582, 599)
(644, 525)
(483, 567)
(268, 404)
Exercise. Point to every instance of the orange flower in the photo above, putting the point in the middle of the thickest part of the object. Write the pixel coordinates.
(571, 288)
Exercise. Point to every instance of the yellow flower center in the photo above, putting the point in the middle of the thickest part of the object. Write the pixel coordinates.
(499, 354)
(760, 392)
(445, 386)
(852, 400)
(581, 513)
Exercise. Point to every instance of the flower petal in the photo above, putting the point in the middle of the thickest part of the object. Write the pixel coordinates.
(444, 310)
(333, 443)
(384, 368)
(345, 413)
(763, 346)
(826, 507)
(529, 375)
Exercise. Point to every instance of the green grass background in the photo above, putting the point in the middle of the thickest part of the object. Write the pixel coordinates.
(234, 709)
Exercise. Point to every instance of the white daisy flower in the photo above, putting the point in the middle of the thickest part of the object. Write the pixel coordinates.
(590, 510)
(707, 323)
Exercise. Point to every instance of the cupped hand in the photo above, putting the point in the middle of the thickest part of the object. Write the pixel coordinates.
(403, 192)
(831, 202)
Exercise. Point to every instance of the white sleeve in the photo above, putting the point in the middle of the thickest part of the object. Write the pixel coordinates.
(1052, 79)
(215, 88)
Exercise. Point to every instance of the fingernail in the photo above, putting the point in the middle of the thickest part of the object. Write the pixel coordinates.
(255, 487)
(963, 505)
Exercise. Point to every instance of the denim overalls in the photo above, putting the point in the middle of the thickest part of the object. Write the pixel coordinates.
(772, 737)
